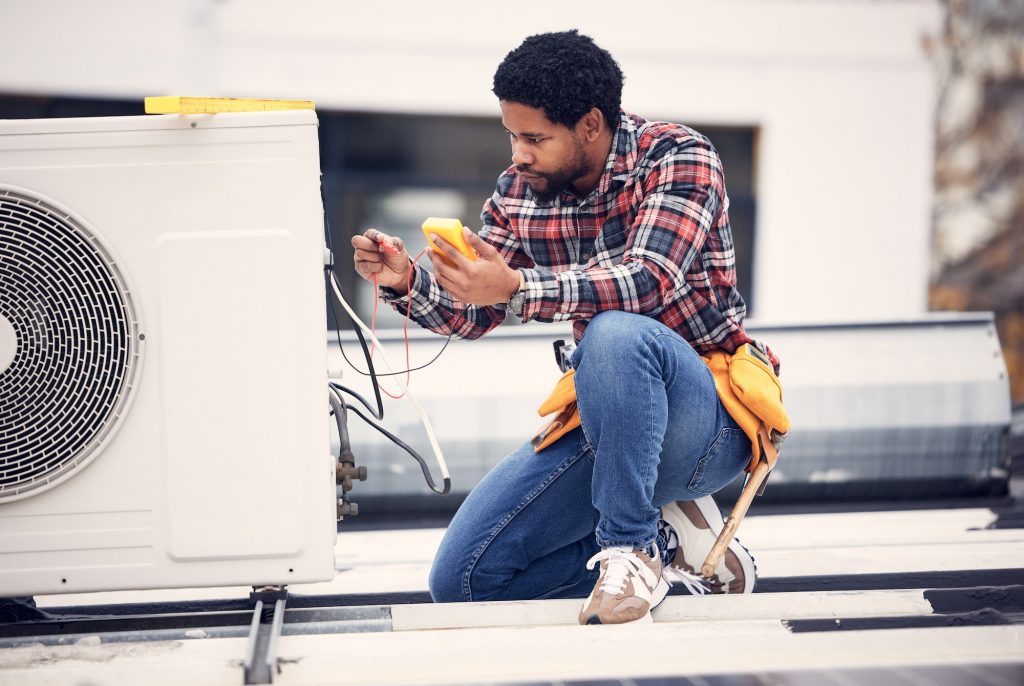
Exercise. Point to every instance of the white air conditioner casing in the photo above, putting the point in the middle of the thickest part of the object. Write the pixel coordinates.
(162, 354)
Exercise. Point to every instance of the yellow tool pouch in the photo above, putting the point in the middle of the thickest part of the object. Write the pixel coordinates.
(746, 385)
(562, 401)
(752, 395)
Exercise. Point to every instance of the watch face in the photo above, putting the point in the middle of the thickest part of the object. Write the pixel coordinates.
(516, 303)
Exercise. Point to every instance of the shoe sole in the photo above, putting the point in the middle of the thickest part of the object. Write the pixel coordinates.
(657, 595)
(713, 516)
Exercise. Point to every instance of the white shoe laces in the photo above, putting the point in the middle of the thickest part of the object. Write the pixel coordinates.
(696, 585)
(622, 564)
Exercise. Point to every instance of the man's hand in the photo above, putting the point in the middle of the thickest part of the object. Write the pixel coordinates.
(385, 256)
(487, 280)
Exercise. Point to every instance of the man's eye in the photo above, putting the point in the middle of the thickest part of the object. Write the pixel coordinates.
(534, 140)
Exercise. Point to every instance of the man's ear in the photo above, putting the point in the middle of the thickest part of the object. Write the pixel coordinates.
(592, 124)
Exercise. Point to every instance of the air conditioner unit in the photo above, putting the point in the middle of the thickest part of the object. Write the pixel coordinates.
(162, 354)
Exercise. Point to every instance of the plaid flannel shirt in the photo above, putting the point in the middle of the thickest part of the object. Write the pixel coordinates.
(652, 238)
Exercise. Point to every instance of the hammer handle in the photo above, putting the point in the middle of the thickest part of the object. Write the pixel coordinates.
(750, 490)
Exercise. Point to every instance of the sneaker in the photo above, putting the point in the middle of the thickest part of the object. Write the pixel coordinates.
(696, 525)
(630, 586)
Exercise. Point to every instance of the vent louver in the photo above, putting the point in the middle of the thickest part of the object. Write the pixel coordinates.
(69, 344)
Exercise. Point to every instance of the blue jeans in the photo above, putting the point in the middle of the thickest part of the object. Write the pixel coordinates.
(653, 431)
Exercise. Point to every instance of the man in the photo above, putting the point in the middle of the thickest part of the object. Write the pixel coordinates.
(621, 226)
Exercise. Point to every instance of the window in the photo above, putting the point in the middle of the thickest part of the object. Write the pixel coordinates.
(391, 171)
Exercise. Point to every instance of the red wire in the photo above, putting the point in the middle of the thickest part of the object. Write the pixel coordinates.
(373, 316)
(405, 326)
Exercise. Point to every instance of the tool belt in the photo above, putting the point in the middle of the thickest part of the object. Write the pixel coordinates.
(747, 387)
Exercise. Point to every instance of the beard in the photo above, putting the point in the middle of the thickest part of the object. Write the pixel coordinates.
(553, 183)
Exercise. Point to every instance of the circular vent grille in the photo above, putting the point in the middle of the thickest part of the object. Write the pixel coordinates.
(68, 344)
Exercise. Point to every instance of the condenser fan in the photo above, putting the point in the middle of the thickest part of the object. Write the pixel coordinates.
(69, 344)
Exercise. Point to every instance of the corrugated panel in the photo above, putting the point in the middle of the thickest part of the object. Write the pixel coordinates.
(880, 409)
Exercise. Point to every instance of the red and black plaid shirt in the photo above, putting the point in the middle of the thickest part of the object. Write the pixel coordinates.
(653, 238)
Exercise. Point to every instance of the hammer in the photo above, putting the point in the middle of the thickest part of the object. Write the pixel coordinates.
(754, 486)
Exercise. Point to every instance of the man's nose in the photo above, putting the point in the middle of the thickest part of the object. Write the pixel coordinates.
(520, 157)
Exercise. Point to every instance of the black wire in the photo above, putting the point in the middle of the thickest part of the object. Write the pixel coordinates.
(337, 322)
(338, 409)
(362, 341)
(338, 387)
(451, 331)
(379, 414)
(373, 373)
(407, 448)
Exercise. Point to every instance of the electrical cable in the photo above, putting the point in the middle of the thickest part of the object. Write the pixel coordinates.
(337, 329)
(335, 396)
(413, 369)
(438, 454)
(409, 449)
(451, 332)
(338, 386)
(337, 320)
(338, 407)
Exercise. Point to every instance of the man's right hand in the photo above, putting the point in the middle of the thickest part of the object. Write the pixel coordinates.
(384, 256)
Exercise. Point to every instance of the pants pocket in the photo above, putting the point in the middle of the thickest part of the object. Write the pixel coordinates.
(724, 460)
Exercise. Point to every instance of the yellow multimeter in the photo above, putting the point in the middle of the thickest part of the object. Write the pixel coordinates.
(451, 231)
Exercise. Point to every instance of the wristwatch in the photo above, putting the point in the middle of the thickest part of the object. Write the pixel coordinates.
(516, 302)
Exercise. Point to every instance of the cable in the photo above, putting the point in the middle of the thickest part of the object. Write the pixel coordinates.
(439, 456)
(337, 386)
(451, 331)
(339, 407)
(379, 413)
(409, 449)
(413, 369)
(337, 320)
(373, 373)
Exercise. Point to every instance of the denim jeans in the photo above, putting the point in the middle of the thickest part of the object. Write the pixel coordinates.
(653, 431)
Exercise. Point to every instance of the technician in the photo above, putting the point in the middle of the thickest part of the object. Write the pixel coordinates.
(620, 225)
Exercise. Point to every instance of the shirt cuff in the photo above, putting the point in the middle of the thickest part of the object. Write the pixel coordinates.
(541, 290)
(392, 297)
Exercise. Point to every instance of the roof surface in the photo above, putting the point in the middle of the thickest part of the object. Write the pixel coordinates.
(916, 595)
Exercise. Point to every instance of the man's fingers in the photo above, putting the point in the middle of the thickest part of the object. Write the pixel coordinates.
(449, 250)
(438, 262)
(444, 271)
(382, 259)
(363, 243)
(373, 256)
(374, 246)
(482, 247)
(372, 239)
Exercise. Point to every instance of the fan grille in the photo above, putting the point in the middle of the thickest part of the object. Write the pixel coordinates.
(75, 344)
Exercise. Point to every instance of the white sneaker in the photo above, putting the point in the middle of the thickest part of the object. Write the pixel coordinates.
(630, 586)
(695, 524)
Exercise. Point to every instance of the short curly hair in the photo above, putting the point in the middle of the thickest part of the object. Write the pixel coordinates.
(565, 74)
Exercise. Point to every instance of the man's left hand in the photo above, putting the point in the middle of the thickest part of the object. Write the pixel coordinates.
(487, 280)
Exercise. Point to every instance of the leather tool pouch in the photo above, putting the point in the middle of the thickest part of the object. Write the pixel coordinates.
(752, 395)
(563, 402)
(747, 386)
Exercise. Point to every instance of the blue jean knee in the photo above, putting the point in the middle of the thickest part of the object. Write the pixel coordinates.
(651, 413)
(524, 532)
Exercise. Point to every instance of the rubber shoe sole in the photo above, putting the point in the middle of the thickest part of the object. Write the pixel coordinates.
(695, 541)
(657, 595)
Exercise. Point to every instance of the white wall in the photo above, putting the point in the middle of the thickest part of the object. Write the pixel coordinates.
(842, 92)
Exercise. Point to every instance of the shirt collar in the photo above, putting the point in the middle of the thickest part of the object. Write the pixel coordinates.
(622, 156)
